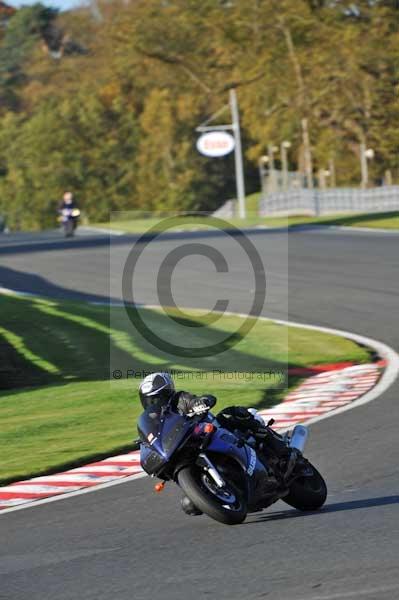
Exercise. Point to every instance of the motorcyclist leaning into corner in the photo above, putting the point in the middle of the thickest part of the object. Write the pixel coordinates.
(157, 390)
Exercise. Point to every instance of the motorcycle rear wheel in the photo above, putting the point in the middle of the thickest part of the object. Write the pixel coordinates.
(308, 492)
(197, 485)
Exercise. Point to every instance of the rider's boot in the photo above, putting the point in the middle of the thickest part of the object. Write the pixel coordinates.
(288, 456)
(190, 508)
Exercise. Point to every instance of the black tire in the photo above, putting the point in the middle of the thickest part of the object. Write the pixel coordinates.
(190, 480)
(69, 229)
(307, 492)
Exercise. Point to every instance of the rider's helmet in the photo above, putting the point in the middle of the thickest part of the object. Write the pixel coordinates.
(68, 197)
(156, 390)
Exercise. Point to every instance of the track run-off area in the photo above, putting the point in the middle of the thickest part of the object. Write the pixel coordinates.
(125, 542)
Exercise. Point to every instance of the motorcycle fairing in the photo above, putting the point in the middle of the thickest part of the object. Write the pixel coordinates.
(245, 455)
(163, 433)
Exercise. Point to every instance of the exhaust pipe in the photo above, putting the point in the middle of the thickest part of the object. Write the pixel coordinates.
(299, 437)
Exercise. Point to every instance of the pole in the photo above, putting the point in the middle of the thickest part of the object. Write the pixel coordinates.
(331, 166)
(238, 154)
(261, 177)
(272, 174)
(270, 154)
(388, 177)
(263, 160)
(322, 179)
(307, 153)
(284, 164)
(363, 165)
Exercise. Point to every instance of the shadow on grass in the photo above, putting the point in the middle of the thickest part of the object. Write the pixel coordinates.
(47, 341)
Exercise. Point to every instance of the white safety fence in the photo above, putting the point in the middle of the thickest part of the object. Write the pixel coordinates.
(330, 201)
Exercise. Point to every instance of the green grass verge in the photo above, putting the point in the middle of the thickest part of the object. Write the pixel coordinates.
(125, 222)
(61, 407)
(388, 220)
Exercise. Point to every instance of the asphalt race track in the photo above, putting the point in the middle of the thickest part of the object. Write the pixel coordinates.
(127, 543)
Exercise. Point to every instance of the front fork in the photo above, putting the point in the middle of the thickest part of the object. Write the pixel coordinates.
(204, 462)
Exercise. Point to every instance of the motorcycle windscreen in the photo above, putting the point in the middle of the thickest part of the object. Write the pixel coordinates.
(149, 425)
(164, 433)
(174, 430)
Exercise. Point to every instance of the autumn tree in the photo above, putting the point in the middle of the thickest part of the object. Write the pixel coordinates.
(107, 103)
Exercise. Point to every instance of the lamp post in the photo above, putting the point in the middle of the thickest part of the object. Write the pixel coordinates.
(388, 177)
(327, 175)
(284, 162)
(322, 177)
(272, 173)
(262, 163)
(365, 155)
(307, 153)
(331, 168)
(238, 154)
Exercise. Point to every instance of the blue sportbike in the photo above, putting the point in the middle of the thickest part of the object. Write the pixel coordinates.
(224, 473)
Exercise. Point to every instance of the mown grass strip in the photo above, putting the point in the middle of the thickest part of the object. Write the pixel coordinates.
(18, 344)
(59, 406)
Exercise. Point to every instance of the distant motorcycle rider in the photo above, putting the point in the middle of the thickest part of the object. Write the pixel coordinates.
(67, 201)
(68, 214)
(157, 391)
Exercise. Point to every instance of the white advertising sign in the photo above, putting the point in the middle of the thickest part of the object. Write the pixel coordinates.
(215, 143)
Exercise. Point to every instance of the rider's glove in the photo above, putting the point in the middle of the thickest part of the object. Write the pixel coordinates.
(199, 407)
(260, 432)
(258, 429)
(209, 399)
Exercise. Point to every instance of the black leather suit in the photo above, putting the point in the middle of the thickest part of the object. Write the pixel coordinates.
(232, 418)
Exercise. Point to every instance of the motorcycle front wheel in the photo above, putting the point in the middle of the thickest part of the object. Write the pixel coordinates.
(307, 492)
(226, 505)
(69, 228)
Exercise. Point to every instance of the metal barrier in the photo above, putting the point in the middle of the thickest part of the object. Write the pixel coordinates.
(330, 201)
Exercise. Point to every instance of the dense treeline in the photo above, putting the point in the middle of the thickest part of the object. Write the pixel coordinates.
(105, 101)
